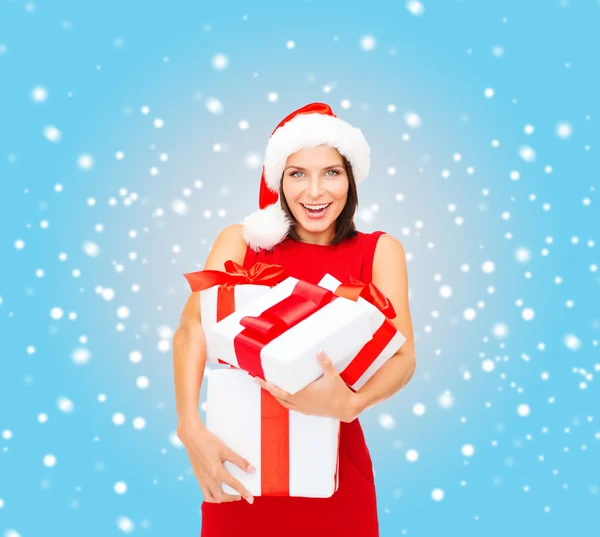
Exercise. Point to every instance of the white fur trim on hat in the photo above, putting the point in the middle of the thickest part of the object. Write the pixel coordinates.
(266, 227)
(311, 130)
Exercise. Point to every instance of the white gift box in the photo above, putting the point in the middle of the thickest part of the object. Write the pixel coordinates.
(243, 293)
(233, 414)
(341, 328)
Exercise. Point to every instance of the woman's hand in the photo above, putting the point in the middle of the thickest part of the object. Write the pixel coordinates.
(207, 454)
(328, 396)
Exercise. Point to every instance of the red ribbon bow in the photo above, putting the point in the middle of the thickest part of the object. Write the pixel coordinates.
(369, 292)
(235, 274)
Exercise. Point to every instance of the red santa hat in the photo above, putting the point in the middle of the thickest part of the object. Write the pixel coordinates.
(312, 125)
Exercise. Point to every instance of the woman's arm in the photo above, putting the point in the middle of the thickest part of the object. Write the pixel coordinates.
(207, 453)
(189, 359)
(189, 347)
(391, 277)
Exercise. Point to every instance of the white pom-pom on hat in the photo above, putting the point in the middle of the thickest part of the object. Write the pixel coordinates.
(266, 228)
(310, 126)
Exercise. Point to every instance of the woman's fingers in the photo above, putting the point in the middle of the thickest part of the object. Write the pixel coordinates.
(285, 404)
(228, 479)
(217, 494)
(278, 392)
(272, 389)
(243, 464)
(203, 481)
(237, 459)
(211, 487)
(207, 454)
(222, 497)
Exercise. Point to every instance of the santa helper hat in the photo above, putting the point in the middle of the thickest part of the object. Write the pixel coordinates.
(312, 125)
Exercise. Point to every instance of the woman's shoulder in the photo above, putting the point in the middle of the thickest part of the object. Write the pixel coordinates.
(386, 247)
(378, 244)
(229, 244)
(370, 238)
(383, 241)
(377, 233)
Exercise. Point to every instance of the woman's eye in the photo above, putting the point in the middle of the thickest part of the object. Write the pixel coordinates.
(335, 172)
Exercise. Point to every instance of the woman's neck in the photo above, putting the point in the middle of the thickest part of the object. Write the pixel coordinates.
(321, 239)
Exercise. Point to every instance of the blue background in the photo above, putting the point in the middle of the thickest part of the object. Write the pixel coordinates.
(101, 62)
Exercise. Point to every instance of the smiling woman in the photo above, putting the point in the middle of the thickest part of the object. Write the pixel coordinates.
(308, 198)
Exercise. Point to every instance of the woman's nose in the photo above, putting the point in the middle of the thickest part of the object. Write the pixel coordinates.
(315, 188)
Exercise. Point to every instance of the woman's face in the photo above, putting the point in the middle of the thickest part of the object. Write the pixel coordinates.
(315, 177)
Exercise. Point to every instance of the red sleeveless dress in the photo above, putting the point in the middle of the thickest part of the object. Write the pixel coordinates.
(352, 510)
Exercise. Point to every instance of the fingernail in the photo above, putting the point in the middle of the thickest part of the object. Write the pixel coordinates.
(251, 468)
(251, 500)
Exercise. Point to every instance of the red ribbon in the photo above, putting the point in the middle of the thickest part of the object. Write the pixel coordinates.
(369, 292)
(275, 447)
(368, 354)
(373, 348)
(235, 274)
(306, 299)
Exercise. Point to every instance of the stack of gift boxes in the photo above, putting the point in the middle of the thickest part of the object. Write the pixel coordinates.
(263, 322)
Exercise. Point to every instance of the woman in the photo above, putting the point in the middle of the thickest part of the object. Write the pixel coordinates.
(313, 164)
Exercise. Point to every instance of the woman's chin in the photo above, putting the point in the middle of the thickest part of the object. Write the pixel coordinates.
(314, 225)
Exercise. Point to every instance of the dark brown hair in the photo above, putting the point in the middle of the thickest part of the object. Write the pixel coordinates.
(344, 223)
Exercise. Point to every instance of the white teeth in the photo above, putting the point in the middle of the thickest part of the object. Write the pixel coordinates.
(315, 207)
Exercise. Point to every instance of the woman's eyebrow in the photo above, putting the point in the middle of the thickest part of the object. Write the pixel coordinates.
(328, 167)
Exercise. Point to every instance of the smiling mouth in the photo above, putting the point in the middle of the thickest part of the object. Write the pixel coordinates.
(313, 210)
